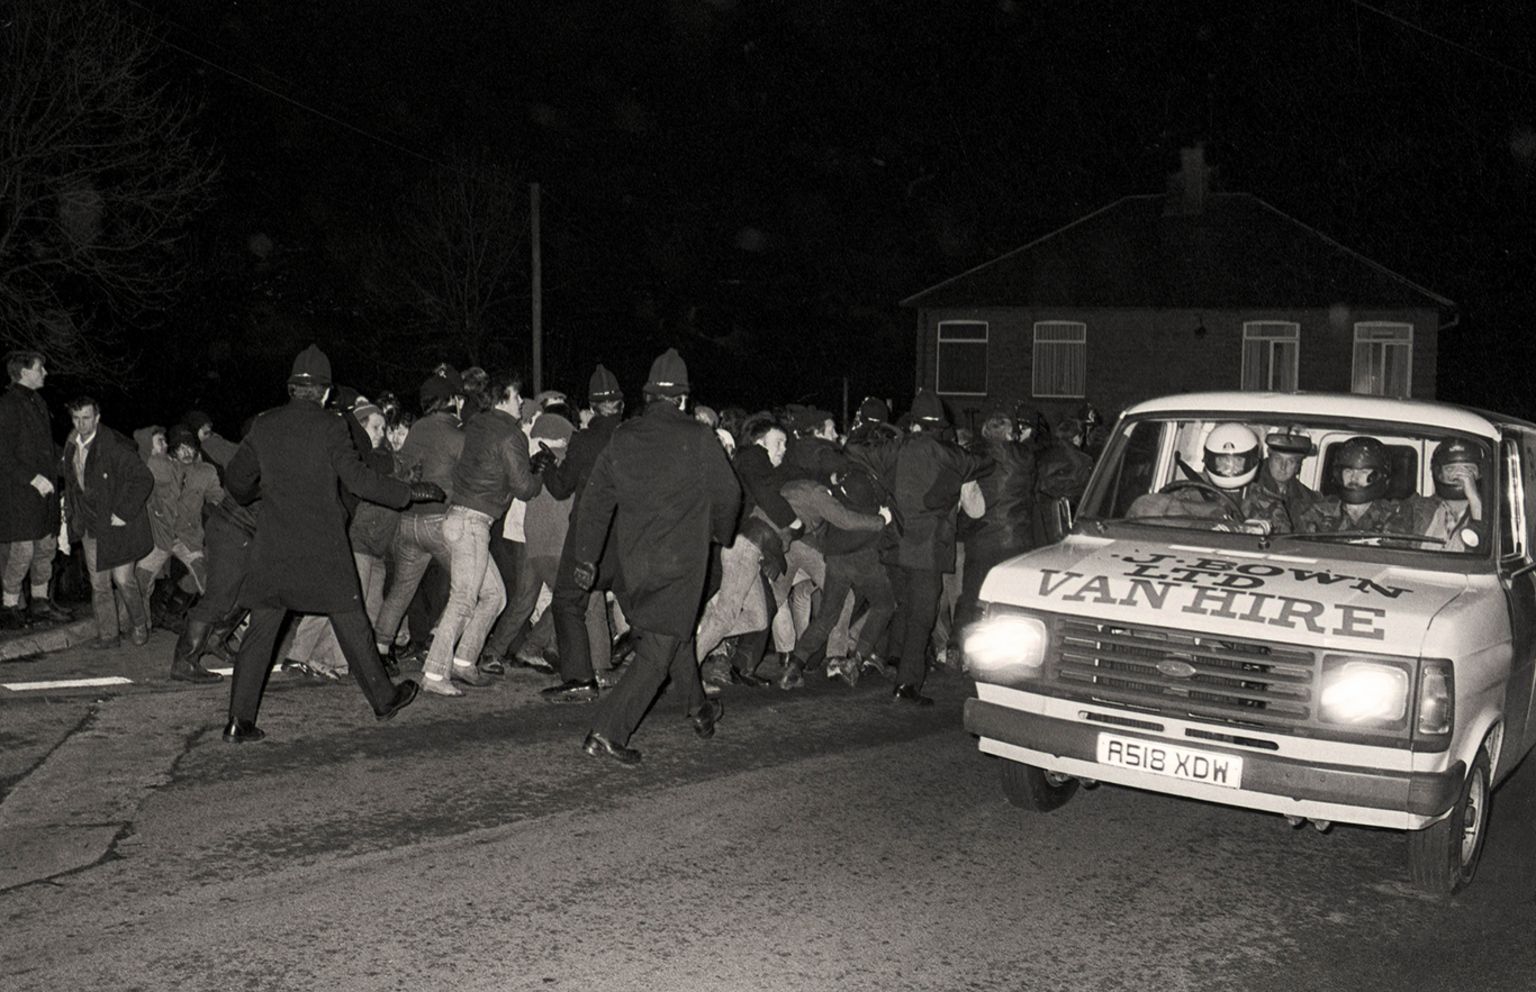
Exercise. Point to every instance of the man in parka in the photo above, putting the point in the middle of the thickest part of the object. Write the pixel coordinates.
(665, 487)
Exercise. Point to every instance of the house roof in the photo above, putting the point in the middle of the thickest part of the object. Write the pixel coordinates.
(1238, 252)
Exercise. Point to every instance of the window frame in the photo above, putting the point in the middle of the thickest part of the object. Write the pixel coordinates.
(1035, 362)
(985, 341)
(1263, 331)
(1372, 343)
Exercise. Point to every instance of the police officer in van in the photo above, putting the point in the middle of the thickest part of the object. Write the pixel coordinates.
(1361, 472)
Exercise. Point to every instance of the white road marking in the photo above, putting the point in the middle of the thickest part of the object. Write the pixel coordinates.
(66, 683)
(226, 670)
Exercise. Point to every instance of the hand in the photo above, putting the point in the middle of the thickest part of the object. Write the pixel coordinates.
(427, 492)
(885, 514)
(541, 460)
(118, 521)
(772, 563)
(42, 484)
(1253, 525)
(585, 575)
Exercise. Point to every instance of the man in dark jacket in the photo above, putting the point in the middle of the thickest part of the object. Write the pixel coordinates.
(573, 607)
(491, 472)
(29, 494)
(925, 473)
(430, 452)
(296, 459)
(108, 488)
(665, 487)
(1006, 526)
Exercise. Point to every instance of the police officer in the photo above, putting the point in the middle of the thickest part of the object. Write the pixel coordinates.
(1454, 514)
(1361, 472)
(296, 459)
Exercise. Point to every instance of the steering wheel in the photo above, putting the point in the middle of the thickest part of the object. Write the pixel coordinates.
(1205, 487)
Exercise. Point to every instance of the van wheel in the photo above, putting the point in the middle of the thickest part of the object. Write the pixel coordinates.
(1442, 857)
(1028, 787)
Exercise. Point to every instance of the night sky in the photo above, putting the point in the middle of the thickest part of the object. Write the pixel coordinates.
(758, 183)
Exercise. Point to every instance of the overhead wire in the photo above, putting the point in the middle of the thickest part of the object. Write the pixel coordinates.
(1469, 50)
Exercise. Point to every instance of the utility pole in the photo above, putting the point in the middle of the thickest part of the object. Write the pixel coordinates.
(538, 291)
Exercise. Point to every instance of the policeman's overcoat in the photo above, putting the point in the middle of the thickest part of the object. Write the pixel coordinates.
(295, 459)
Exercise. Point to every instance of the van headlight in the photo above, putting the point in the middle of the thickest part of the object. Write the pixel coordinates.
(1363, 693)
(1005, 647)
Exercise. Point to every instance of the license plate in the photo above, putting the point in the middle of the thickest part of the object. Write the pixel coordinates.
(1170, 760)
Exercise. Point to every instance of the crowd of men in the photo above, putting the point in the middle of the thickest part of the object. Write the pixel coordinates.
(345, 536)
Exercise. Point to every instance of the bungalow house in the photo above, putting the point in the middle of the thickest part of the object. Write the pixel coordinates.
(1191, 290)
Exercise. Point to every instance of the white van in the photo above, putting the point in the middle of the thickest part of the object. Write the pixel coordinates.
(1328, 674)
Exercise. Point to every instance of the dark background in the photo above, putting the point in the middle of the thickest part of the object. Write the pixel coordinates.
(758, 183)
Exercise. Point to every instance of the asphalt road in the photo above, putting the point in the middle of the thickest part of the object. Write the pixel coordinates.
(823, 840)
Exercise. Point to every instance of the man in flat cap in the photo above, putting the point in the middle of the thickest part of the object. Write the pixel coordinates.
(296, 460)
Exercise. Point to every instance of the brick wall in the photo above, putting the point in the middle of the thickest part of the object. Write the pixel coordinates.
(1137, 354)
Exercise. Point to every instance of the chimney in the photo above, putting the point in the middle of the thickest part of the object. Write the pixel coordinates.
(1188, 188)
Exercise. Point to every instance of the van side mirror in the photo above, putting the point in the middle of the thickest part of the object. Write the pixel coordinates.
(1058, 519)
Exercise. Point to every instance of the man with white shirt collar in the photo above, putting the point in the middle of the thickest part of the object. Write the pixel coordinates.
(107, 489)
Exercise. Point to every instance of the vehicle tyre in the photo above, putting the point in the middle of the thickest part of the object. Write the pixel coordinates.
(1028, 787)
(1443, 857)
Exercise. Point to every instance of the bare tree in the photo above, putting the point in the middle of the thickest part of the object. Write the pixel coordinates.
(99, 177)
(454, 264)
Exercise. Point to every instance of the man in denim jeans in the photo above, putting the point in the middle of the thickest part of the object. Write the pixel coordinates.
(492, 472)
(430, 453)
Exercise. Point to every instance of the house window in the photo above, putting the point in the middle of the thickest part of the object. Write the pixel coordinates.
(1270, 349)
(1383, 359)
(962, 359)
(1061, 359)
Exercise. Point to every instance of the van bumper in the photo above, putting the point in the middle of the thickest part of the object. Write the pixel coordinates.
(1405, 800)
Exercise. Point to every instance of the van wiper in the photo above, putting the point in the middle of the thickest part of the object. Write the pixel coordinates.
(1350, 536)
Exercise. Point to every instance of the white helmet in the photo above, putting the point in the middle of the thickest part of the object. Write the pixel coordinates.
(1227, 440)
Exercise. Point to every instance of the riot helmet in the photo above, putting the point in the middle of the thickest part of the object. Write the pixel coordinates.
(1366, 454)
(1231, 456)
(1456, 451)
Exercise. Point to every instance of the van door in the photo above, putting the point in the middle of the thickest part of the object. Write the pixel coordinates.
(1517, 551)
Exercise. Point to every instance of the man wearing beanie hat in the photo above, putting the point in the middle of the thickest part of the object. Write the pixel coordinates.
(581, 615)
(296, 460)
(925, 473)
(664, 486)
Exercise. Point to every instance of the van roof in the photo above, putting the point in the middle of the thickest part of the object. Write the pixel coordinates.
(1271, 407)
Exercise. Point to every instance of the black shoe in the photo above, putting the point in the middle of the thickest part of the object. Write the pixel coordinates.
(242, 732)
(47, 609)
(571, 691)
(185, 669)
(492, 664)
(739, 677)
(708, 715)
(597, 745)
(404, 693)
(12, 618)
(907, 693)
